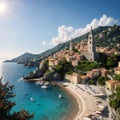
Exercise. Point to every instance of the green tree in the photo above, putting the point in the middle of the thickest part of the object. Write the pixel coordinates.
(117, 77)
(75, 50)
(6, 104)
(63, 67)
(101, 80)
(102, 59)
(91, 82)
(85, 65)
(115, 99)
(113, 60)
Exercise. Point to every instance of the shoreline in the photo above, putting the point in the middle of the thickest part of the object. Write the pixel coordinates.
(76, 102)
(74, 107)
(77, 107)
(84, 98)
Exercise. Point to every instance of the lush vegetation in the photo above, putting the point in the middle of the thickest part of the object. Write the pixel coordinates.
(110, 38)
(87, 65)
(91, 82)
(109, 62)
(103, 59)
(112, 61)
(117, 77)
(115, 102)
(6, 105)
(75, 50)
(63, 67)
(101, 80)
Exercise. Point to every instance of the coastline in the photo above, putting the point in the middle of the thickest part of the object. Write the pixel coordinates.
(85, 100)
(76, 102)
(75, 105)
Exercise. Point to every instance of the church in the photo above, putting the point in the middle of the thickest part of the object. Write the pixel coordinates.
(90, 52)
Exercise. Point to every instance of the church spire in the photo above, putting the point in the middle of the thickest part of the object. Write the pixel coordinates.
(91, 30)
(71, 44)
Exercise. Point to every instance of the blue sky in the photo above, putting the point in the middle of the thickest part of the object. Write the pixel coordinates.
(37, 25)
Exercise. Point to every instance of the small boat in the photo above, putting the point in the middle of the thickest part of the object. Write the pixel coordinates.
(46, 83)
(44, 86)
(38, 83)
(60, 96)
(32, 99)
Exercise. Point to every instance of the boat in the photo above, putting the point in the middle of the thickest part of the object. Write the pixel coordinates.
(60, 96)
(32, 99)
(44, 86)
(46, 83)
(39, 83)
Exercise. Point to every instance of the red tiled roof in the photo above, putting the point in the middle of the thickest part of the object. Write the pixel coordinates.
(113, 81)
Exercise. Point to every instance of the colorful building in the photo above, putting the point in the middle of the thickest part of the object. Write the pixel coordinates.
(112, 84)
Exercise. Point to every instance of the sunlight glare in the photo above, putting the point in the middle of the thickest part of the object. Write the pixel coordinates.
(3, 7)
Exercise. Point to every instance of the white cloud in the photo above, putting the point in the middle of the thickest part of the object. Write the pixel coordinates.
(67, 33)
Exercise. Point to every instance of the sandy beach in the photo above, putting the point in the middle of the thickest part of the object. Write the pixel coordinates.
(84, 97)
(86, 100)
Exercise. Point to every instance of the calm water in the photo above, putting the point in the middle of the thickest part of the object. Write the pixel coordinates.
(47, 105)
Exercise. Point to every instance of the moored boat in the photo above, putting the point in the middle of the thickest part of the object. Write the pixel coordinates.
(44, 86)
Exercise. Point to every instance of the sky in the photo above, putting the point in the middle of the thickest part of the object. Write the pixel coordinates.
(37, 25)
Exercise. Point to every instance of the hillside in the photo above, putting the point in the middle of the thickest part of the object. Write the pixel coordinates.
(103, 36)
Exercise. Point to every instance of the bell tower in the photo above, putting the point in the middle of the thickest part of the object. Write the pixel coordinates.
(91, 46)
(71, 45)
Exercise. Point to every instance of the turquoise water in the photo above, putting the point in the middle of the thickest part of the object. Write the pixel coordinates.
(47, 105)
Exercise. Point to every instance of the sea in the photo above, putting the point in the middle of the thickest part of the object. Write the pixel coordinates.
(47, 104)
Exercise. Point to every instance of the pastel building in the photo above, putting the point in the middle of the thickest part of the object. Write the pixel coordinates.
(73, 78)
(112, 85)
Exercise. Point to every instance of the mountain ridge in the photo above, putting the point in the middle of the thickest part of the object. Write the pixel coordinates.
(29, 59)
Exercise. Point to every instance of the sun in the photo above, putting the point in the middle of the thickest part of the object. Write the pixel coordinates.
(3, 7)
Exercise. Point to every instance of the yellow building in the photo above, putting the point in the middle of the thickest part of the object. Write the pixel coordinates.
(112, 84)
(73, 78)
(118, 64)
(117, 69)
